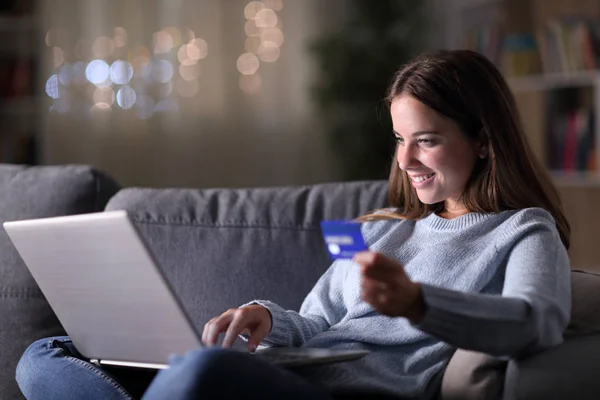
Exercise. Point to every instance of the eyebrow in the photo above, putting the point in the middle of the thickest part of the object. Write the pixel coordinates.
(418, 133)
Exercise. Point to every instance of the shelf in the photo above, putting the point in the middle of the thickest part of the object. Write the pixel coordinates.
(554, 81)
(576, 178)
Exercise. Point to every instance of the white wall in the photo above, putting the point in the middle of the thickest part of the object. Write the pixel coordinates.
(220, 138)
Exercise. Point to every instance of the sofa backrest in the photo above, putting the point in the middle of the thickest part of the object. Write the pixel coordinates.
(221, 248)
(36, 192)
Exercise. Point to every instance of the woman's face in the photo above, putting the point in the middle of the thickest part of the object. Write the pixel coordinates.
(433, 151)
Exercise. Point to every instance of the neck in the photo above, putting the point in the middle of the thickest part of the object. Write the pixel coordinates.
(453, 211)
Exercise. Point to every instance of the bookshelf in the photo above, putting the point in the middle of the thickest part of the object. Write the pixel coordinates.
(552, 65)
(547, 50)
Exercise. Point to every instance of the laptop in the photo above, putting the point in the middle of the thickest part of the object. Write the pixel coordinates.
(107, 291)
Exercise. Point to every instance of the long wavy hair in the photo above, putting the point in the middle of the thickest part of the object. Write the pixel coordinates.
(466, 87)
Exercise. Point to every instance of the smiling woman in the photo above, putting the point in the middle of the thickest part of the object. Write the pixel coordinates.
(455, 117)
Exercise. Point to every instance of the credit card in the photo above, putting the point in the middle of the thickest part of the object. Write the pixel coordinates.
(343, 238)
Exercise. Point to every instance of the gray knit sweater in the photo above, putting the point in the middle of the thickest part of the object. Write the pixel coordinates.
(496, 283)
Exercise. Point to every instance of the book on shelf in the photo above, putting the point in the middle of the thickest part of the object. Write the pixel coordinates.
(514, 54)
(572, 142)
(485, 40)
(569, 44)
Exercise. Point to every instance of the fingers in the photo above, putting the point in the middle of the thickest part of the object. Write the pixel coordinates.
(257, 335)
(370, 259)
(239, 324)
(216, 326)
(234, 322)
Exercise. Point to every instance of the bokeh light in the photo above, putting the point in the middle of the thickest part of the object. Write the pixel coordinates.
(276, 5)
(253, 8)
(175, 35)
(162, 71)
(163, 42)
(53, 87)
(250, 83)
(120, 36)
(58, 57)
(266, 18)
(121, 72)
(97, 72)
(78, 71)
(189, 72)
(166, 105)
(126, 97)
(65, 74)
(183, 56)
(197, 49)
(247, 64)
(273, 35)
(100, 108)
(188, 35)
(103, 47)
(104, 95)
(268, 52)
(141, 66)
(144, 107)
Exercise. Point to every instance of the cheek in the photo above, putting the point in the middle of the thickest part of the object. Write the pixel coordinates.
(453, 166)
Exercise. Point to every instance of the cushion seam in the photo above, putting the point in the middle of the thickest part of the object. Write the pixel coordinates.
(228, 225)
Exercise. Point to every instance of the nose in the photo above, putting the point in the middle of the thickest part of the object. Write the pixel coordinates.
(407, 157)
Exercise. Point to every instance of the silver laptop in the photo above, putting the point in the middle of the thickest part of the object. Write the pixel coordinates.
(111, 298)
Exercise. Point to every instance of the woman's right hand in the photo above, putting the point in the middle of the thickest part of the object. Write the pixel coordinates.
(254, 320)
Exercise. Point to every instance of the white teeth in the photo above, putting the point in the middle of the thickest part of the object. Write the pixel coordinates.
(421, 178)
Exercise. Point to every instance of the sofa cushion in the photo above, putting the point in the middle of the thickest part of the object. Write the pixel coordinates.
(471, 375)
(568, 371)
(220, 248)
(585, 308)
(36, 192)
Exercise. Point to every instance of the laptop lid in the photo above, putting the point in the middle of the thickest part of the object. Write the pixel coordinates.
(104, 286)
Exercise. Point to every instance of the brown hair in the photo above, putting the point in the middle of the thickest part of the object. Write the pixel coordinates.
(466, 87)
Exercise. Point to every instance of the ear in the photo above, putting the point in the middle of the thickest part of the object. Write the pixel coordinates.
(482, 146)
(482, 151)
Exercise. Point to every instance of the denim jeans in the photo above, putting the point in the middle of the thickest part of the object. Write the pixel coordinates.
(53, 369)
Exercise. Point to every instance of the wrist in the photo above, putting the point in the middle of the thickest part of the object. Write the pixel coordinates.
(418, 308)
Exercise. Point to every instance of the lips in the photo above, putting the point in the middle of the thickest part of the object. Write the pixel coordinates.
(421, 180)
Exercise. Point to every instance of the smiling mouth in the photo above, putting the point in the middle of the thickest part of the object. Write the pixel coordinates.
(421, 178)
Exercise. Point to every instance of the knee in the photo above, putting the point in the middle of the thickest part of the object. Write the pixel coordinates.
(34, 362)
(208, 366)
(209, 360)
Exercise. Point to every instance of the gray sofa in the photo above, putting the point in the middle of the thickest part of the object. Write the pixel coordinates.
(222, 247)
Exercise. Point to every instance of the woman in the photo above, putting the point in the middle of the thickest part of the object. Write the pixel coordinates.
(472, 254)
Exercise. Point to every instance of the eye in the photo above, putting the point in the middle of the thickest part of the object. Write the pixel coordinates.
(427, 142)
(399, 140)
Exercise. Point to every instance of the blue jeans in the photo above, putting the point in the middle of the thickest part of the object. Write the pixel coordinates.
(53, 369)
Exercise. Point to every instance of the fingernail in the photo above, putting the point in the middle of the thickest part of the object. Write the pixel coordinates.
(253, 348)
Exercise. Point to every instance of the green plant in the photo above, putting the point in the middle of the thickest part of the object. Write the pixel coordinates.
(356, 64)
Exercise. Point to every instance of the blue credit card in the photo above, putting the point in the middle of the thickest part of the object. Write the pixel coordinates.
(343, 238)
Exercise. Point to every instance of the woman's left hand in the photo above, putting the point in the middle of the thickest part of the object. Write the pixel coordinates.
(388, 289)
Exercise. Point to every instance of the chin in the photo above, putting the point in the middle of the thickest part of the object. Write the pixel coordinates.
(428, 199)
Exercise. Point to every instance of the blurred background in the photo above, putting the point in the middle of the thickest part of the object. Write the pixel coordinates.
(239, 93)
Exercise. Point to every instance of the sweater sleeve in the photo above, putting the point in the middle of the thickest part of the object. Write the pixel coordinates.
(322, 308)
(529, 316)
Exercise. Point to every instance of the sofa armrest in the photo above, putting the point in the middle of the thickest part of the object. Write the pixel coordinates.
(568, 371)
